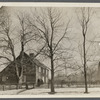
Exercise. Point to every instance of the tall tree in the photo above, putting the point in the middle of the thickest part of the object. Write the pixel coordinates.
(6, 38)
(84, 19)
(27, 34)
(52, 30)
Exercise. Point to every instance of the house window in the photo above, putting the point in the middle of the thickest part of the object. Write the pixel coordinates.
(3, 78)
(39, 69)
(46, 72)
(43, 70)
(43, 79)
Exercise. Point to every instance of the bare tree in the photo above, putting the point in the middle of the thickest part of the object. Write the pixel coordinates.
(84, 19)
(5, 29)
(27, 34)
(52, 31)
(8, 41)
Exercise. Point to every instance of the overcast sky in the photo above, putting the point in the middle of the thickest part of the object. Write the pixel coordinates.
(68, 13)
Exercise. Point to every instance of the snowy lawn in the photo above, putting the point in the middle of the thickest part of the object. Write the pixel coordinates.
(68, 92)
(10, 92)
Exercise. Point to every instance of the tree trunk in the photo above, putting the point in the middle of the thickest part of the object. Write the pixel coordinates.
(20, 77)
(85, 72)
(19, 86)
(52, 75)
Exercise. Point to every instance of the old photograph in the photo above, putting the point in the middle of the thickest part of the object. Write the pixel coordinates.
(50, 51)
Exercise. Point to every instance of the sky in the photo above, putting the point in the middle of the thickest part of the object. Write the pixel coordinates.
(75, 33)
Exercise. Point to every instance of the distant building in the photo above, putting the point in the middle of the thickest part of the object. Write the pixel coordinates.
(33, 70)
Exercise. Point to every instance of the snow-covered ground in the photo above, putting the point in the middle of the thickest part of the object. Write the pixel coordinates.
(60, 92)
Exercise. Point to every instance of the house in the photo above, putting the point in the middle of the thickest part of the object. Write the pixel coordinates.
(33, 70)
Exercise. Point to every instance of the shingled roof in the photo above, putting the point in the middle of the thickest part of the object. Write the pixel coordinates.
(35, 61)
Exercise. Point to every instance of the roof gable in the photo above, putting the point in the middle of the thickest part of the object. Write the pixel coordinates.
(27, 57)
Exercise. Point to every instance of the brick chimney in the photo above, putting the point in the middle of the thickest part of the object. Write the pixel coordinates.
(31, 55)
